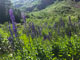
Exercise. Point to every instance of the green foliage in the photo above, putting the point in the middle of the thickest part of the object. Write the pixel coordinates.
(52, 47)
(50, 34)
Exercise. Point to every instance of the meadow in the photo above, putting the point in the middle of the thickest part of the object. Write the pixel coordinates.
(43, 35)
(40, 39)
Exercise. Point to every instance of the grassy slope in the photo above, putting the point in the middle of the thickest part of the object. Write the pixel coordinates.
(58, 9)
(51, 13)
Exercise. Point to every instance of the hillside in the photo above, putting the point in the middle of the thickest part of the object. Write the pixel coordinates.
(24, 4)
(49, 31)
(36, 5)
(32, 5)
(59, 9)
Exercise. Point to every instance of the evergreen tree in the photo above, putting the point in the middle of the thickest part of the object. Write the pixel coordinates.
(4, 7)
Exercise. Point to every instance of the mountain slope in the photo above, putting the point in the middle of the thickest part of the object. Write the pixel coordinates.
(62, 8)
(24, 4)
(32, 5)
(55, 12)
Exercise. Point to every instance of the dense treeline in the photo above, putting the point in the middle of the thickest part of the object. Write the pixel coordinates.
(45, 3)
(5, 5)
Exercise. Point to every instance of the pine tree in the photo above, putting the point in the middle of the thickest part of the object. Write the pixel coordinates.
(4, 7)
